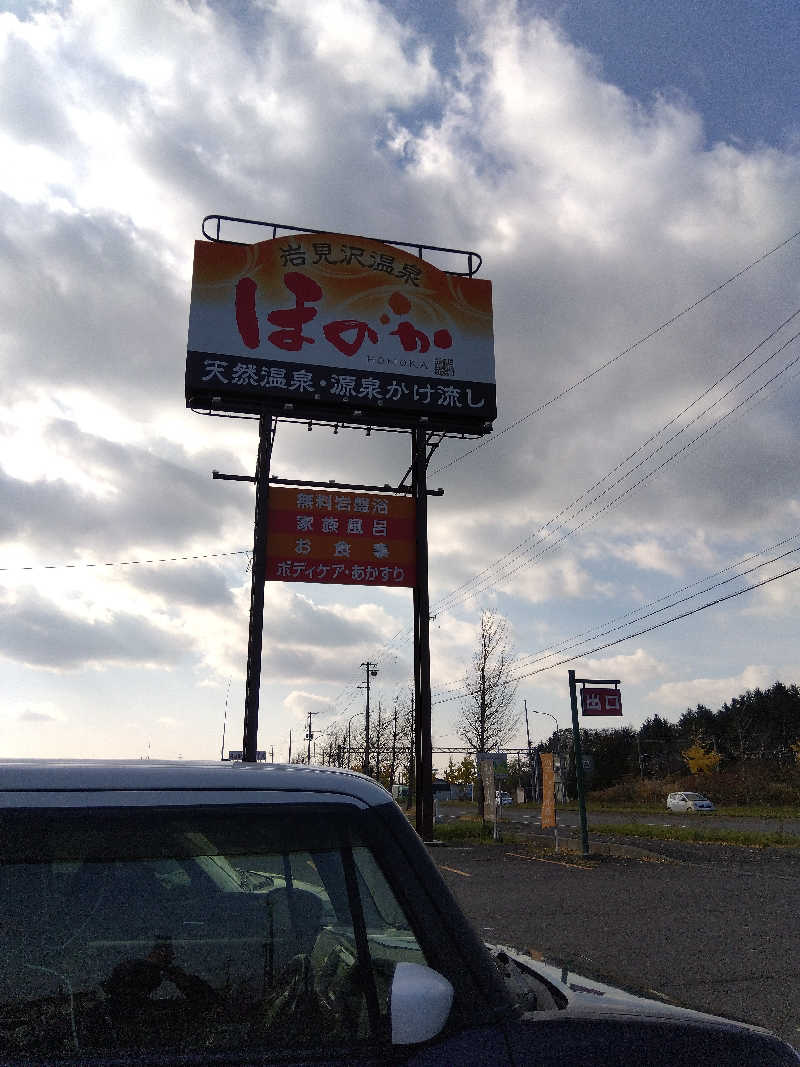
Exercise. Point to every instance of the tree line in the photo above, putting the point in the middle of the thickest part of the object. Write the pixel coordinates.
(760, 726)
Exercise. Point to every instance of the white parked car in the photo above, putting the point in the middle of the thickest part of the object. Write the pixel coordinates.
(688, 802)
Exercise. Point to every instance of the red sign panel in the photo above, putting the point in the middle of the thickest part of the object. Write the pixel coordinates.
(340, 538)
(601, 702)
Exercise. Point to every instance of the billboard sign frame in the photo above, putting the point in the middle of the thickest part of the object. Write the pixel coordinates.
(335, 537)
(343, 329)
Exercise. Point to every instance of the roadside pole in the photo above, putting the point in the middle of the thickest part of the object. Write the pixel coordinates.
(576, 734)
(266, 436)
(534, 780)
(422, 661)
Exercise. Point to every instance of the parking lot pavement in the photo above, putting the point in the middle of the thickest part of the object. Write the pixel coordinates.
(713, 930)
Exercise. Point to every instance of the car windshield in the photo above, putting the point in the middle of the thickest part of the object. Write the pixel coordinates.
(694, 796)
(186, 930)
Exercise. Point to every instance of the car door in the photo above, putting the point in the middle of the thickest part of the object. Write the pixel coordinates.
(230, 932)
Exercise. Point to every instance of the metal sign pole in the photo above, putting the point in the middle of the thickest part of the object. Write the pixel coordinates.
(417, 757)
(576, 733)
(253, 687)
(422, 606)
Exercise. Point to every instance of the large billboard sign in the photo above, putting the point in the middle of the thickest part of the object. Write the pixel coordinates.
(340, 538)
(339, 328)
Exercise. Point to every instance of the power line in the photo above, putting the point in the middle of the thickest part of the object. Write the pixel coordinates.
(494, 437)
(515, 551)
(675, 455)
(642, 614)
(452, 599)
(591, 633)
(492, 575)
(639, 633)
(125, 562)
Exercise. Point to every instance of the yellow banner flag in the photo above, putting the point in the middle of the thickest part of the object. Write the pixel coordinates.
(548, 790)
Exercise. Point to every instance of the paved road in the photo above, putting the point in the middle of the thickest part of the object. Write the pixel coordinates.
(569, 819)
(716, 930)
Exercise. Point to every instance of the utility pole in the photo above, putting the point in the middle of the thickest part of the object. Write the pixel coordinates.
(412, 758)
(371, 671)
(378, 736)
(290, 746)
(349, 742)
(394, 746)
(266, 437)
(534, 783)
(309, 737)
(420, 455)
(225, 721)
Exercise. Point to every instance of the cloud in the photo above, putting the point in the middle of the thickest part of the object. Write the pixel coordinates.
(298, 704)
(632, 667)
(193, 584)
(649, 555)
(40, 712)
(39, 633)
(599, 216)
(713, 692)
(113, 496)
(31, 102)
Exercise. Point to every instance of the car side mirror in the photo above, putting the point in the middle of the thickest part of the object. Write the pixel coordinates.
(421, 999)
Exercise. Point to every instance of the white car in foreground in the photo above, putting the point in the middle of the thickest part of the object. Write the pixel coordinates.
(162, 913)
(688, 802)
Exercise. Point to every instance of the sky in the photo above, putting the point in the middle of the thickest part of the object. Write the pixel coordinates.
(630, 178)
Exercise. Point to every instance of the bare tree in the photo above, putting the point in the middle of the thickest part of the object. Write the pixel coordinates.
(488, 719)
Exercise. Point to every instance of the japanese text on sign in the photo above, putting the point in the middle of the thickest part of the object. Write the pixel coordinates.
(314, 382)
(321, 322)
(601, 701)
(340, 538)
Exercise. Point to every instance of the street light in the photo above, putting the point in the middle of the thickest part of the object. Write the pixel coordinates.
(533, 711)
(558, 741)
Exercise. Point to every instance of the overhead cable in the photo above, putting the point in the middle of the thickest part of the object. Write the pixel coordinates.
(525, 558)
(640, 614)
(492, 438)
(125, 562)
(637, 633)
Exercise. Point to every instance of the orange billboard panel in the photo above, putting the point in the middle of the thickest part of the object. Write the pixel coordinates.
(336, 327)
(340, 538)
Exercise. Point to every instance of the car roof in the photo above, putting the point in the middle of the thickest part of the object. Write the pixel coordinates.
(81, 776)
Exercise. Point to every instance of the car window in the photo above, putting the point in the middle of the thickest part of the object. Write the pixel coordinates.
(184, 932)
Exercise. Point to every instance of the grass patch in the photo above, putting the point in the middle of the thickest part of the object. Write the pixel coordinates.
(708, 834)
(759, 811)
(745, 811)
(474, 831)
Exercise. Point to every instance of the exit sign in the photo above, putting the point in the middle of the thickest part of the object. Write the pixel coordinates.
(601, 702)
